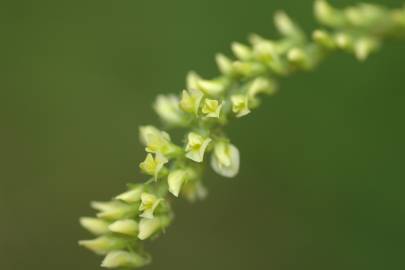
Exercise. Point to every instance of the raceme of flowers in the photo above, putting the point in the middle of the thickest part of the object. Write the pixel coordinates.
(205, 107)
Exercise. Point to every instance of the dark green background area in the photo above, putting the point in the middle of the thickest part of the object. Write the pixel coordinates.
(322, 175)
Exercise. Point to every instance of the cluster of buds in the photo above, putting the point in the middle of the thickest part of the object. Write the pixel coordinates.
(204, 107)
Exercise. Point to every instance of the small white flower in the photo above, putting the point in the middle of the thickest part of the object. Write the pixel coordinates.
(212, 87)
(125, 226)
(167, 107)
(123, 259)
(196, 146)
(175, 180)
(225, 159)
(194, 190)
(240, 105)
(149, 203)
(190, 100)
(94, 225)
(212, 108)
(153, 165)
(148, 227)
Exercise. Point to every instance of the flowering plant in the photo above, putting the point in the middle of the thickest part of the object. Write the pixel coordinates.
(205, 107)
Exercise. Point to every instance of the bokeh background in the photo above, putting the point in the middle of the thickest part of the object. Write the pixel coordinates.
(322, 177)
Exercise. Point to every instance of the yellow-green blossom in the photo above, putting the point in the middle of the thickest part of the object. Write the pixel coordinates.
(196, 146)
(153, 165)
(190, 100)
(157, 141)
(225, 159)
(149, 203)
(211, 108)
(242, 52)
(240, 105)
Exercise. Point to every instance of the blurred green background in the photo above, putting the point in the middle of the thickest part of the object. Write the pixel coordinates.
(322, 177)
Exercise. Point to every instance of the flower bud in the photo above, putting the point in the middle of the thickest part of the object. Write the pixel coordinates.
(196, 146)
(124, 226)
(167, 107)
(242, 52)
(148, 227)
(344, 41)
(225, 159)
(224, 64)
(240, 105)
(212, 87)
(328, 15)
(94, 225)
(299, 58)
(123, 259)
(153, 165)
(324, 39)
(113, 210)
(103, 244)
(175, 180)
(287, 27)
(364, 47)
(131, 196)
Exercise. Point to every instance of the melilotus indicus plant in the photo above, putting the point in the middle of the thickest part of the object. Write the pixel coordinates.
(204, 109)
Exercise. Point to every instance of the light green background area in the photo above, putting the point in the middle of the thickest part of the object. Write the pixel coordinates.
(322, 175)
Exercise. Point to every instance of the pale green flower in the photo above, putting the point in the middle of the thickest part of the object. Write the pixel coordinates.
(148, 227)
(113, 210)
(123, 259)
(190, 100)
(157, 141)
(124, 226)
(192, 79)
(240, 105)
(103, 244)
(94, 225)
(167, 107)
(211, 108)
(131, 196)
(225, 159)
(196, 146)
(149, 203)
(176, 180)
(153, 165)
